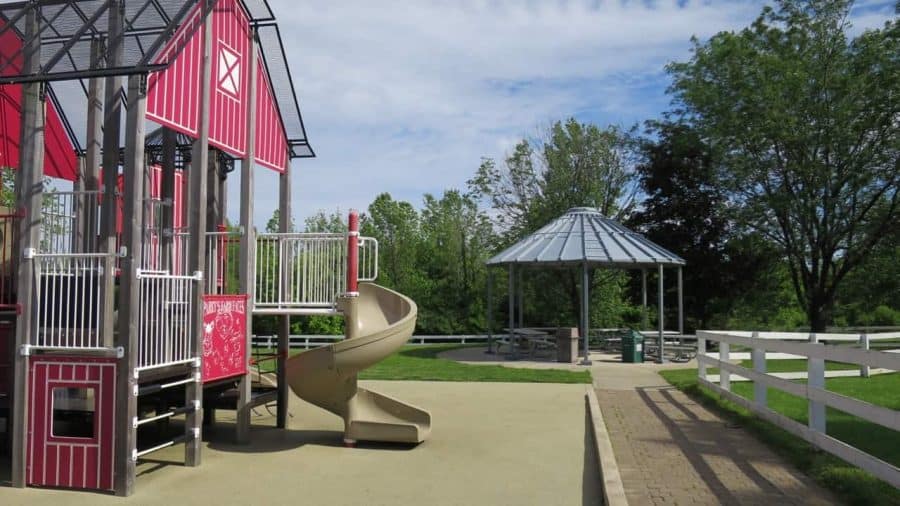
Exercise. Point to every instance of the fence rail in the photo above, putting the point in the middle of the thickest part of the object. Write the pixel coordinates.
(813, 390)
(314, 341)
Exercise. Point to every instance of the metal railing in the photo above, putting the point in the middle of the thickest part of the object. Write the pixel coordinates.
(307, 271)
(814, 390)
(166, 305)
(222, 261)
(68, 300)
(68, 219)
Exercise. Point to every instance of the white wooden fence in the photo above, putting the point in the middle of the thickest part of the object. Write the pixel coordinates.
(816, 353)
(313, 341)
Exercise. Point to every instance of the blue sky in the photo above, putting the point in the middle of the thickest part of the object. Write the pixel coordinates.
(406, 97)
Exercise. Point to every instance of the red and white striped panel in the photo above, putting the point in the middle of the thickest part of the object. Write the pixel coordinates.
(230, 78)
(73, 462)
(173, 95)
(271, 141)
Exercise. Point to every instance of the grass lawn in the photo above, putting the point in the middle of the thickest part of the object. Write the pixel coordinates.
(421, 363)
(853, 485)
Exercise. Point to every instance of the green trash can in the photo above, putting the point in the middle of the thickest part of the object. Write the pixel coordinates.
(633, 347)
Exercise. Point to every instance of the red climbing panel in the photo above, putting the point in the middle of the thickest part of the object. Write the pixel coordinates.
(72, 422)
(224, 336)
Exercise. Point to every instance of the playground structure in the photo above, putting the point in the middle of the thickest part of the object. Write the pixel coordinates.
(126, 301)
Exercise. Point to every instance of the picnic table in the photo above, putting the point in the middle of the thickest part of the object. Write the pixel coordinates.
(532, 340)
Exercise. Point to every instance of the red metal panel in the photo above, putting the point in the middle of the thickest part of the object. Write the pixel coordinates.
(59, 152)
(230, 78)
(173, 94)
(271, 141)
(72, 462)
(224, 336)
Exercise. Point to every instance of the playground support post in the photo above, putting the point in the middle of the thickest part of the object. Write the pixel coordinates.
(93, 151)
(246, 283)
(284, 327)
(353, 253)
(129, 292)
(29, 186)
(197, 247)
(167, 194)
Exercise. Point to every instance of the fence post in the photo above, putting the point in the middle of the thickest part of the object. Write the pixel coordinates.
(864, 341)
(816, 379)
(724, 375)
(701, 352)
(759, 365)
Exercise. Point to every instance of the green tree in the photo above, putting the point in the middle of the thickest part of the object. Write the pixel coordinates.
(805, 121)
(686, 209)
(456, 239)
(395, 224)
(575, 164)
(322, 222)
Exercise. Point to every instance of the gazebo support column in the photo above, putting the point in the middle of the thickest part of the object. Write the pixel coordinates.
(660, 316)
(680, 303)
(520, 304)
(490, 311)
(585, 312)
(644, 322)
(512, 303)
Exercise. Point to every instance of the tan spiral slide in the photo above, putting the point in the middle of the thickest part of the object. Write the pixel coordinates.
(378, 322)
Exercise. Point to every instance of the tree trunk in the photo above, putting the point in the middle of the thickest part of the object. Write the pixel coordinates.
(819, 312)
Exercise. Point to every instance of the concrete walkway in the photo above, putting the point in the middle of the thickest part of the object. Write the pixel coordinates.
(671, 450)
(491, 443)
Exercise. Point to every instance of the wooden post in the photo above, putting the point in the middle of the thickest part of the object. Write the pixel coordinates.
(701, 352)
(112, 124)
(247, 267)
(816, 379)
(724, 356)
(29, 197)
(197, 249)
(129, 290)
(93, 149)
(760, 390)
(284, 327)
(167, 194)
(213, 218)
(864, 343)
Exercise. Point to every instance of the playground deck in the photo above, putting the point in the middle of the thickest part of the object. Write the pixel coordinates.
(492, 443)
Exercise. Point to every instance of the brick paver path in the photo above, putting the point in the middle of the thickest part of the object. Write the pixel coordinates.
(671, 450)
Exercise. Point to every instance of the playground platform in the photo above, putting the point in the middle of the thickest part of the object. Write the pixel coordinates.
(491, 443)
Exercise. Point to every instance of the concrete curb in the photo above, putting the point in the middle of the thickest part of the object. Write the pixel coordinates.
(613, 490)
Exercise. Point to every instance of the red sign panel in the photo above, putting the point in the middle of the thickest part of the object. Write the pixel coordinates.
(59, 153)
(271, 143)
(72, 424)
(224, 336)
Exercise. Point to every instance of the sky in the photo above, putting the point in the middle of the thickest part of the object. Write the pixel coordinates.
(407, 97)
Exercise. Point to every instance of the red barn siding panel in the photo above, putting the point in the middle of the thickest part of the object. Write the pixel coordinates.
(173, 94)
(229, 78)
(271, 142)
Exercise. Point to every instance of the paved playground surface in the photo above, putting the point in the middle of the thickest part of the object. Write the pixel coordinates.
(671, 450)
(491, 443)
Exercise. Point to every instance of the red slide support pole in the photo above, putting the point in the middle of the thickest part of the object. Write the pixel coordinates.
(353, 253)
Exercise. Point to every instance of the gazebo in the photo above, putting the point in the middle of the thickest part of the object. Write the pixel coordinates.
(584, 238)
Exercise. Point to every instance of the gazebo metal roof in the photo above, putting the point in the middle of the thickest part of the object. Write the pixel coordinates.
(584, 235)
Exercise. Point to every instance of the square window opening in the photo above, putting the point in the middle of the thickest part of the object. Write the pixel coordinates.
(74, 410)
